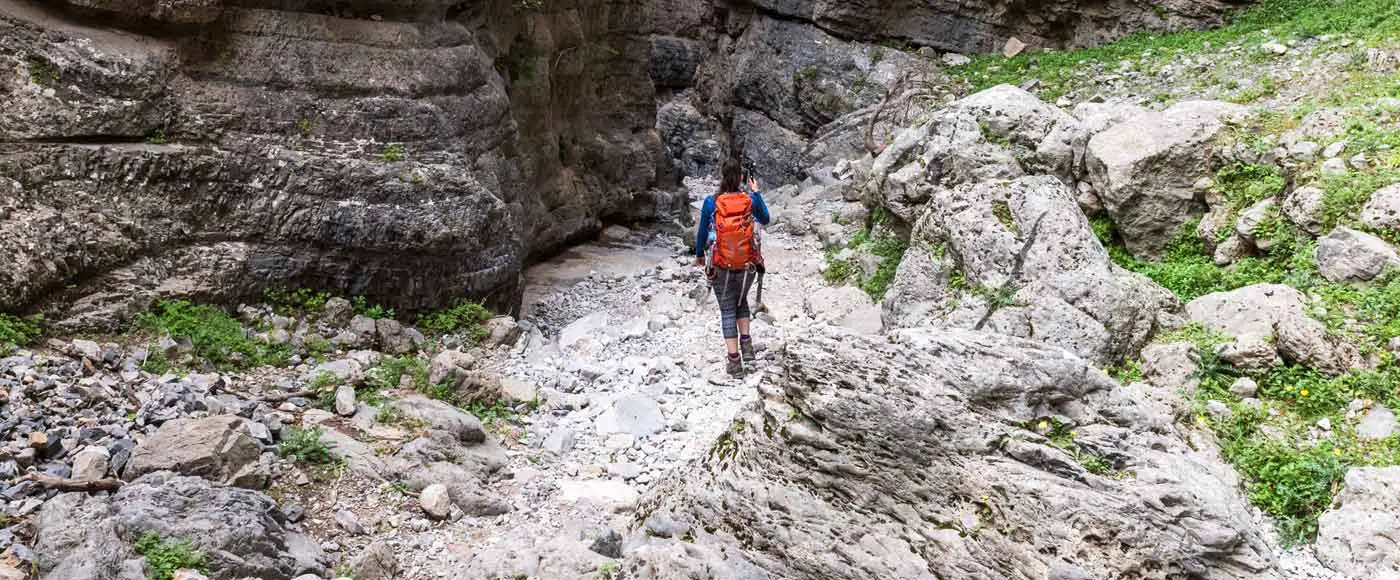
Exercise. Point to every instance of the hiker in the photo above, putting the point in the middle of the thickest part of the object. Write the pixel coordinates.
(727, 232)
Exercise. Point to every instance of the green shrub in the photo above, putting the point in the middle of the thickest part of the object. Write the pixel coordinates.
(391, 370)
(18, 331)
(364, 308)
(43, 73)
(299, 302)
(165, 556)
(464, 318)
(878, 241)
(393, 153)
(217, 337)
(1292, 484)
(306, 446)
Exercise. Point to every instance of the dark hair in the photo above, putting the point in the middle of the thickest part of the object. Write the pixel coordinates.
(730, 176)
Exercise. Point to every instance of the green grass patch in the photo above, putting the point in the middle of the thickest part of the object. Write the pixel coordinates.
(1283, 19)
(299, 302)
(391, 370)
(465, 318)
(375, 311)
(165, 556)
(393, 153)
(16, 331)
(218, 338)
(878, 240)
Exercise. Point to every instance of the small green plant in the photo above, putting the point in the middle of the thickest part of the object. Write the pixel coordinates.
(391, 370)
(1130, 371)
(608, 571)
(324, 386)
(876, 241)
(306, 446)
(165, 556)
(1002, 211)
(465, 318)
(158, 137)
(217, 337)
(393, 153)
(43, 73)
(304, 125)
(18, 331)
(299, 302)
(494, 415)
(1062, 438)
(376, 311)
(804, 75)
(317, 346)
(1265, 87)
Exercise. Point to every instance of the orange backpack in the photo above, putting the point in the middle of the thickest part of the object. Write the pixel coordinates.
(735, 246)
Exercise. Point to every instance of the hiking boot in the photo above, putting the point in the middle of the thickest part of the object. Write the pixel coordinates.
(746, 349)
(735, 367)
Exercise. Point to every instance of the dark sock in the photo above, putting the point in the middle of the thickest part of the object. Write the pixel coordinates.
(744, 338)
(733, 355)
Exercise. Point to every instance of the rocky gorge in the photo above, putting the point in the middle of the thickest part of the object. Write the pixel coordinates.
(310, 290)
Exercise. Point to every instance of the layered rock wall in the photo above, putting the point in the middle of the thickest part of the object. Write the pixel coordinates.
(412, 154)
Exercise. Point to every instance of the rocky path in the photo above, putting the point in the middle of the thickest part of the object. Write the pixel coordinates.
(628, 363)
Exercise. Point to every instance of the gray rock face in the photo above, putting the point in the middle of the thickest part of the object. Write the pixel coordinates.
(217, 448)
(1382, 211)
(1098, 117)
(926, 421)
(982, 26)
(439, 415)
(1346, 255)
(997, 134)
(1357, 538)
(1303, 207)
(376, 563)
(1144, 170)
(242, 533)
(1059, 286)
(384, 157)
(1274, 312)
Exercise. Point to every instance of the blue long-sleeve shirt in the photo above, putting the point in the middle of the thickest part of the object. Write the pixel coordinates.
(704, 233)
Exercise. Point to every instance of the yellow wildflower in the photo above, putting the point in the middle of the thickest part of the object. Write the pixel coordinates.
(1303, 393)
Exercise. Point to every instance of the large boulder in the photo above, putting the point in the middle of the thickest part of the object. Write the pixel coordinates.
(1018, 257)
(439, 415)
(898, 455)
(1358, 536)
(216, 448)
(1346, 255)
(1275, 314)
(1000, 133)
(1382, 211)
(242, 533)
(1145, 169)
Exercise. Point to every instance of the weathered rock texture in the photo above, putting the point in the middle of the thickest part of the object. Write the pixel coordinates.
(406, 152)
(985, 25)
(909, 456)
(998, 240)
(242, 533)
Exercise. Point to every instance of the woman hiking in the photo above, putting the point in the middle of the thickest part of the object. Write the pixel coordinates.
(728, 232)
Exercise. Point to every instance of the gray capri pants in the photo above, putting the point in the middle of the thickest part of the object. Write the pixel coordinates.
(732, 291)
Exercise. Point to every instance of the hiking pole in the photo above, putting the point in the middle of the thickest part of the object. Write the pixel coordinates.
(759, 306)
